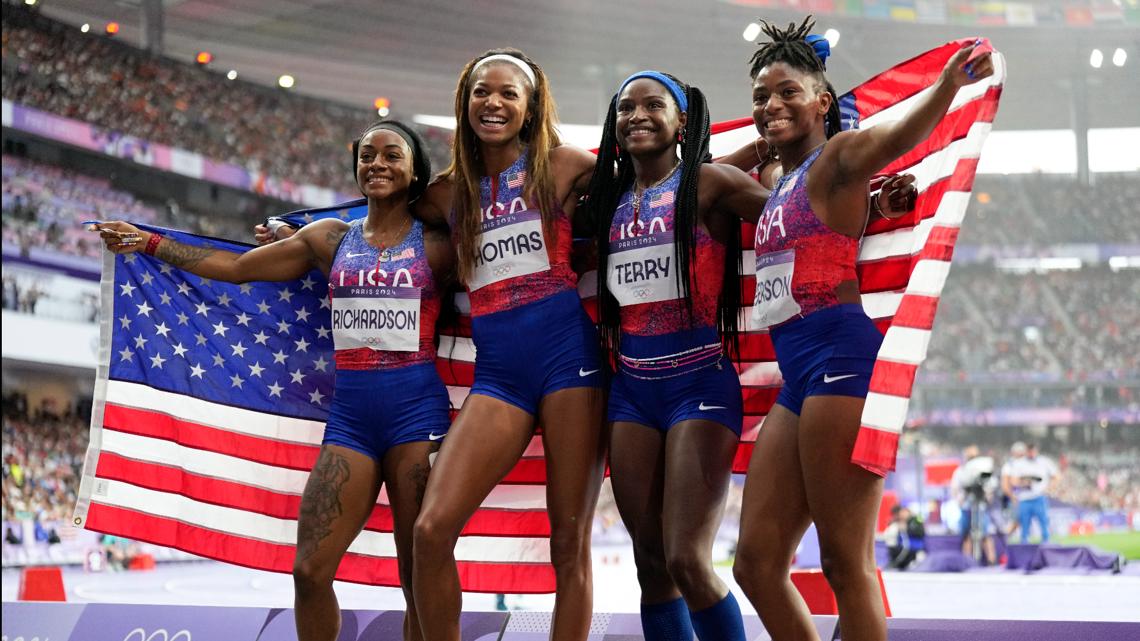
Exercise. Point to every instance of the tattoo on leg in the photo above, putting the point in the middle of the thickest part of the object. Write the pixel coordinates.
(419, 475)
(320, 507)
(181, 255)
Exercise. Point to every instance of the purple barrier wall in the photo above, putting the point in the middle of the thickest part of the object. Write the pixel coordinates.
(115, 622)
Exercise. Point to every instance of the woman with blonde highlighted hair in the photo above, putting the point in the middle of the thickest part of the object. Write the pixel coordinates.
(509, 196)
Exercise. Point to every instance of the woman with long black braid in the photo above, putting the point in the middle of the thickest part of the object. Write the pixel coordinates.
(807, 295)
(668, 233)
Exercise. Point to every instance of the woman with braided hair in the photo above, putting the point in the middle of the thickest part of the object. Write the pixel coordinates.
(668, 234)
(807, 295)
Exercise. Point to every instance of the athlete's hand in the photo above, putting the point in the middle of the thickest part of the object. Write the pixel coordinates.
(120, 237)
(898, 195)
(267, 233)
(964, 68)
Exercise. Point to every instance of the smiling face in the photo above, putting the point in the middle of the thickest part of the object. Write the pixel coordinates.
(383, 164)
(647, 117)
(497, 105)
(787, 104)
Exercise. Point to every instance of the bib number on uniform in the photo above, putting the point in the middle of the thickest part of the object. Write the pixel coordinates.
(510, 246)
(379, 318)
(643, 269)
(774, 302)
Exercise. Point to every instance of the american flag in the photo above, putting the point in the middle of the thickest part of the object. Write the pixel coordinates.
(664, 198)
(210, 399)
(516, 180)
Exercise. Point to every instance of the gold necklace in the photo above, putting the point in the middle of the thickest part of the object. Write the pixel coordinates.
(638, 194)
(385, 249)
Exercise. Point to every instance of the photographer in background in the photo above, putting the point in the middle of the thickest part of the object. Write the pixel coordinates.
(974, 487)
(905, 537)
(1030, 478)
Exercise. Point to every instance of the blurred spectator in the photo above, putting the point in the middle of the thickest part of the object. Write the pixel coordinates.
(905, 537)
(56, 68)
(1032, 478)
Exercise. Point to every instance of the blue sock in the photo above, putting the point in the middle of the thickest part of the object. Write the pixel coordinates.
(721, 622)
(667, 621)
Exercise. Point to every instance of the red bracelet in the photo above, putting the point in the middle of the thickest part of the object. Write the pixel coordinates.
(152, 244)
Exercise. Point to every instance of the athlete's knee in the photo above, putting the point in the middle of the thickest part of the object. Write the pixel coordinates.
(845, 567)
(569, 546)
(688, 567)
(432, 535)
(310, 576)
(756, 569)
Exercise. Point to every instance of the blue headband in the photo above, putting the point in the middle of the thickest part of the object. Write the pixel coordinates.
(820, 45)
(670, 84)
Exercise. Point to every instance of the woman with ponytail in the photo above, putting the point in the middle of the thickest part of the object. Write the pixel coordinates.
(668, 234)
(807, 295)
(509, 195)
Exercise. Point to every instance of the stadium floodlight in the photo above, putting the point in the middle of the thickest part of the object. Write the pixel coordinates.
(832, 36)
(751, 31)
(30, 2)
(204, 58)
(86, 27)
(1119, 57)
(1096, 59)
(232, 75)
(112, 28)
(285, 81)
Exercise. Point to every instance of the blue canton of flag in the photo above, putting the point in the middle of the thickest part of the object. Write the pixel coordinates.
(346, 211)
(260, 346)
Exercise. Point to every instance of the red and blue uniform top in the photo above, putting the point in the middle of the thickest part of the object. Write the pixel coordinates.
(519, 260)
(384, 302)
(800, 261)
(642, 266)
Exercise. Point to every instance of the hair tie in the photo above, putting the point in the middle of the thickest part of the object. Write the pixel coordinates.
(820, 46)
(675, 89)
(502, 57)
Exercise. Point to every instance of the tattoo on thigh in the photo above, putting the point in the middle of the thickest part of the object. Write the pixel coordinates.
(419, 476)
(320, 506)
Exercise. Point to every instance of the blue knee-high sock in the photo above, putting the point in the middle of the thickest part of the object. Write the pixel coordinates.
(721, 622)
(667, 621)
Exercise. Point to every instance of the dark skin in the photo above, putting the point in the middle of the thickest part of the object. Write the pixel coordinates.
(671, 487)
(344, 484)
(489, 436)
(800, 470)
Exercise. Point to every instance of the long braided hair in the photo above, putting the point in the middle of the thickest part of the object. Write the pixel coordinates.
(606, 189)
(539, 134)
(791, 47)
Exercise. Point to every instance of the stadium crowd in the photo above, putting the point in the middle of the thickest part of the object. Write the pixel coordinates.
(1037, 210)
(43, 462)
(49, 66)
(1067, 323)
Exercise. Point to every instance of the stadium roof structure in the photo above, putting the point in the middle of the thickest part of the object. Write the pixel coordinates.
(411, 51)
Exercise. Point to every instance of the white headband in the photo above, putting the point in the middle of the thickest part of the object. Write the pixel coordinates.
(502, 57)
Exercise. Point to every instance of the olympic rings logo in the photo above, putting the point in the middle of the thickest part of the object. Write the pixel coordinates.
(139, 634)
(373, 340)
(642, 292)
(501, 270)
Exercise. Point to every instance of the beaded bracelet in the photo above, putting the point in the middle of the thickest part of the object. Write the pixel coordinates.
(152, 244)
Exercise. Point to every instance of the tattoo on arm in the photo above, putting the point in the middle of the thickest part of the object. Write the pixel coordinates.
(181, 255)
(333, 237)
(320, 505)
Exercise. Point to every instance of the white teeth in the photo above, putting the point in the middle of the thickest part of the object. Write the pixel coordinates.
(780, 122)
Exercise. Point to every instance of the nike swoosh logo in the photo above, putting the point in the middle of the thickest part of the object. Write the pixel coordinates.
(352, 255)
(583, 372)
(435, 437)
(704, 408)
(832, 379)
